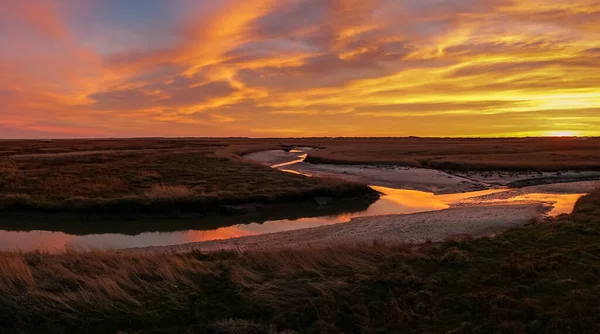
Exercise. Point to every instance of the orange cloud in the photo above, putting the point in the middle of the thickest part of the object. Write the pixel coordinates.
(39, 16)
(303, 67)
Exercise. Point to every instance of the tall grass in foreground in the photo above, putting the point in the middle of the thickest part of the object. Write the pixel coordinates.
(540, 278)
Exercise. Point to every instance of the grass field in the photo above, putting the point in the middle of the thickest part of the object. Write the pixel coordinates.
(149, 176)
(540, 278)
(518, 154)
(154, 175)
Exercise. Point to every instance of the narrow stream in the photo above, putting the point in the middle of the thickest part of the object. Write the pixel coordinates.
(393, 201)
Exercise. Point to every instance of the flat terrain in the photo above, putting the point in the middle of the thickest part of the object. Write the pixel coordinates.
(542, 275)
(400, 177)
(414, 178)
(434, 226)
(542, 278)
(475, 216)
(148, 176)
(506, 154)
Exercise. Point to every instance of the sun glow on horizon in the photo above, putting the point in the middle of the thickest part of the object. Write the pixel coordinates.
(564, 134)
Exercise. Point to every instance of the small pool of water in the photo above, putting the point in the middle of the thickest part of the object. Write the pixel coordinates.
(394, 201)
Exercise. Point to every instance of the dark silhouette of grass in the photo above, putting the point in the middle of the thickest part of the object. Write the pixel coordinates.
(540, 278)
(136, 223)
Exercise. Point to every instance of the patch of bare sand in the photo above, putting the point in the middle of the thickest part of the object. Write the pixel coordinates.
(429, 180)
(422, 179)
(435, 226)
(476, 216)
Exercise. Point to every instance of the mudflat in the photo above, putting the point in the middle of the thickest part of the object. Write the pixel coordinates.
(415, 178)
(435, 226)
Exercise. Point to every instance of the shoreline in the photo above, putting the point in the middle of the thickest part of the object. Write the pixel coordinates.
(473, 217)
(415, 178)
(461, 219)
(417, 228)
(465, 216)
(83, 224)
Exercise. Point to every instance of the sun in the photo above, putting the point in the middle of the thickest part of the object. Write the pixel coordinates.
(563, 134)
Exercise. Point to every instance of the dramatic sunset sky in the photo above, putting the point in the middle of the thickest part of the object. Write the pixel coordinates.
(125, 68)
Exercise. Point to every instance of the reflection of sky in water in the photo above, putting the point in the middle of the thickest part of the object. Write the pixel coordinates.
(395, 201)
(561, 203)
(300, 159)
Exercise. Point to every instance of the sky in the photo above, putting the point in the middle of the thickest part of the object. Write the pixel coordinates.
(297, 68)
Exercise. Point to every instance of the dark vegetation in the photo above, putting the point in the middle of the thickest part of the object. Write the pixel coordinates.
(540, 278)
(150, 176)
(134, 224)
(514, 154)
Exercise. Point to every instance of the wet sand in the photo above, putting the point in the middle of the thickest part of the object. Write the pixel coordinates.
(421, 179)
(511, 178)
(273, 157)
(486, 214)
(434, 226)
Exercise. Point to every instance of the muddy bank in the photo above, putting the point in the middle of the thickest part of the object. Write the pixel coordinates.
(484, 214)
(413, 178)
(513, 179)
(538, 193)
(273, 157)
(430, 180)
(90, 224)
(435, 226)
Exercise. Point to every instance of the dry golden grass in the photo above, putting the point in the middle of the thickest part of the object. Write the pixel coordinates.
(540, 278)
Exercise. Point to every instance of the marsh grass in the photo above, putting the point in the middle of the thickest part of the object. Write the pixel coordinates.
(540, 278)
(514, 154)
(166, 191)
(152, 181)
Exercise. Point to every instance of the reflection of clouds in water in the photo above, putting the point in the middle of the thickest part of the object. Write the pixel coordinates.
(395, 201)
(399, 201)
(562, 203)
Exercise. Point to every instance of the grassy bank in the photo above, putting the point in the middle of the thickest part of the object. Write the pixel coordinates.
(540, 278)
(134, 224)
(152, 181)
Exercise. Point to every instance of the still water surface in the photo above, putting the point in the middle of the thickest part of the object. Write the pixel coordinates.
(394, 201)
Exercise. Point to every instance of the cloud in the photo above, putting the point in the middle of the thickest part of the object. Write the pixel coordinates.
(435, 108)
(181, 92)
(299, 67)
(39, 18)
